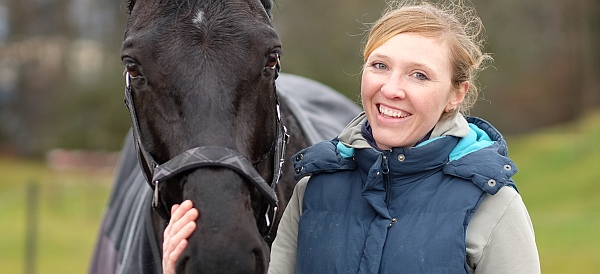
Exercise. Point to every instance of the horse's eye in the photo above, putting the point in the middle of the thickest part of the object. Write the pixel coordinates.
(133, 70)
(273, 61)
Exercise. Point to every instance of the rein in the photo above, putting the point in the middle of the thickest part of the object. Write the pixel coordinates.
(208, 156)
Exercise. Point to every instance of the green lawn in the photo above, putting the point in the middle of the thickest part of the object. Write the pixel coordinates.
(70, 207)
(558, 173)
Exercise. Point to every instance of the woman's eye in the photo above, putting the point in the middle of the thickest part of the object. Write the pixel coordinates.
(379, 65)
(420, 76)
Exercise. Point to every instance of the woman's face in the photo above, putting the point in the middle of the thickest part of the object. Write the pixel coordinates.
(406, 86)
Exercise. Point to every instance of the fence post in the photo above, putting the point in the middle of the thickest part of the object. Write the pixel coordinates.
(31, 225)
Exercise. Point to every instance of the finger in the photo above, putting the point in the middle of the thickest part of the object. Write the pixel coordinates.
(173, 247)
(181, 231)
(173, 208)
(170, 260)
(180, 210)
(168, 229)
(189, 216)
(177, 211)
(184, 233)
(177, 252)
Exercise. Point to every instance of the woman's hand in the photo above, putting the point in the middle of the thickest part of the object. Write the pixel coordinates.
(181, 226)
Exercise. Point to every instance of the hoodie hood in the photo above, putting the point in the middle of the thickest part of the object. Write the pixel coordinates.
(482, 157)
(352, 136)
(481, 154)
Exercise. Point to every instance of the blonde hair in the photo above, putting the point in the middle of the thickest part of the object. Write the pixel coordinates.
(454, 22)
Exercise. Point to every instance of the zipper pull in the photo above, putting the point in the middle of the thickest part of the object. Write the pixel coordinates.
(385, 169)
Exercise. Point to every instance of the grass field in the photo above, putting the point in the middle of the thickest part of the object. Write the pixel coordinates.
(69, 209)
(559, 171)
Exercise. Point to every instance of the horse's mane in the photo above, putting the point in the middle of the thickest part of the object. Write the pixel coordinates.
(267, 4)
(129, 4)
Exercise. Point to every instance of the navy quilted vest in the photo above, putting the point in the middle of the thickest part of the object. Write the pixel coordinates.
(388, 212)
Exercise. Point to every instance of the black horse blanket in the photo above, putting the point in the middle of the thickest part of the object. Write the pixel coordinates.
(126, 242)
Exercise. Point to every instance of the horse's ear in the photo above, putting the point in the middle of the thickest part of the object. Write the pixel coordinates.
(268, 4)
(129, 4)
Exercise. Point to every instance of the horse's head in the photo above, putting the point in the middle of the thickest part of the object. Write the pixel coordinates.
(201, 90)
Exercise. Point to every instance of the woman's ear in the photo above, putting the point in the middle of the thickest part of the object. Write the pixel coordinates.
(456, 98)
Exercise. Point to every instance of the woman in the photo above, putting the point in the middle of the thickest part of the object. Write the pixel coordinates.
(411, 185)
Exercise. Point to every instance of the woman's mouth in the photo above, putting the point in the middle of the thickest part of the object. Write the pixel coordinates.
(394, 113)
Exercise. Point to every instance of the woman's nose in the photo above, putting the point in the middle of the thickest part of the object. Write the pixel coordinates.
(393, 88)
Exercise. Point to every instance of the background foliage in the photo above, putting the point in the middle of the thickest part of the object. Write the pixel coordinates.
(545, 69)
(61, 81)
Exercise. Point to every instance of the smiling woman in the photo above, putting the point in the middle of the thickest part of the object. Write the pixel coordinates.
(405, 86)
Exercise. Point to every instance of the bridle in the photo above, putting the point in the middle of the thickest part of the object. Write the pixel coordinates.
(209, 156)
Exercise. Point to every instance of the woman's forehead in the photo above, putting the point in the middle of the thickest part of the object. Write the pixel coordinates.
(415, 49)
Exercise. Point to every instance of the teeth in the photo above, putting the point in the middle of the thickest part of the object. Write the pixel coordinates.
(392, 113)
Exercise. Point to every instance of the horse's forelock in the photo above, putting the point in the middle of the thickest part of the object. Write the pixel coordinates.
(129, 4)
(268, 4)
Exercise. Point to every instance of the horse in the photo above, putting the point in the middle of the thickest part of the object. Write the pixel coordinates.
(213, 121)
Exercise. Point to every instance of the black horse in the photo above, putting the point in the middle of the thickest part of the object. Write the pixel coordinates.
(209, 125)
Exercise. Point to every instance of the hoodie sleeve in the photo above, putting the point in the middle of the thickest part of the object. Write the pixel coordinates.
(283, 250)
(500, 237)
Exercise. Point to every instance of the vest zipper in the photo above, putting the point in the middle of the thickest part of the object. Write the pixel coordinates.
(385, 170)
